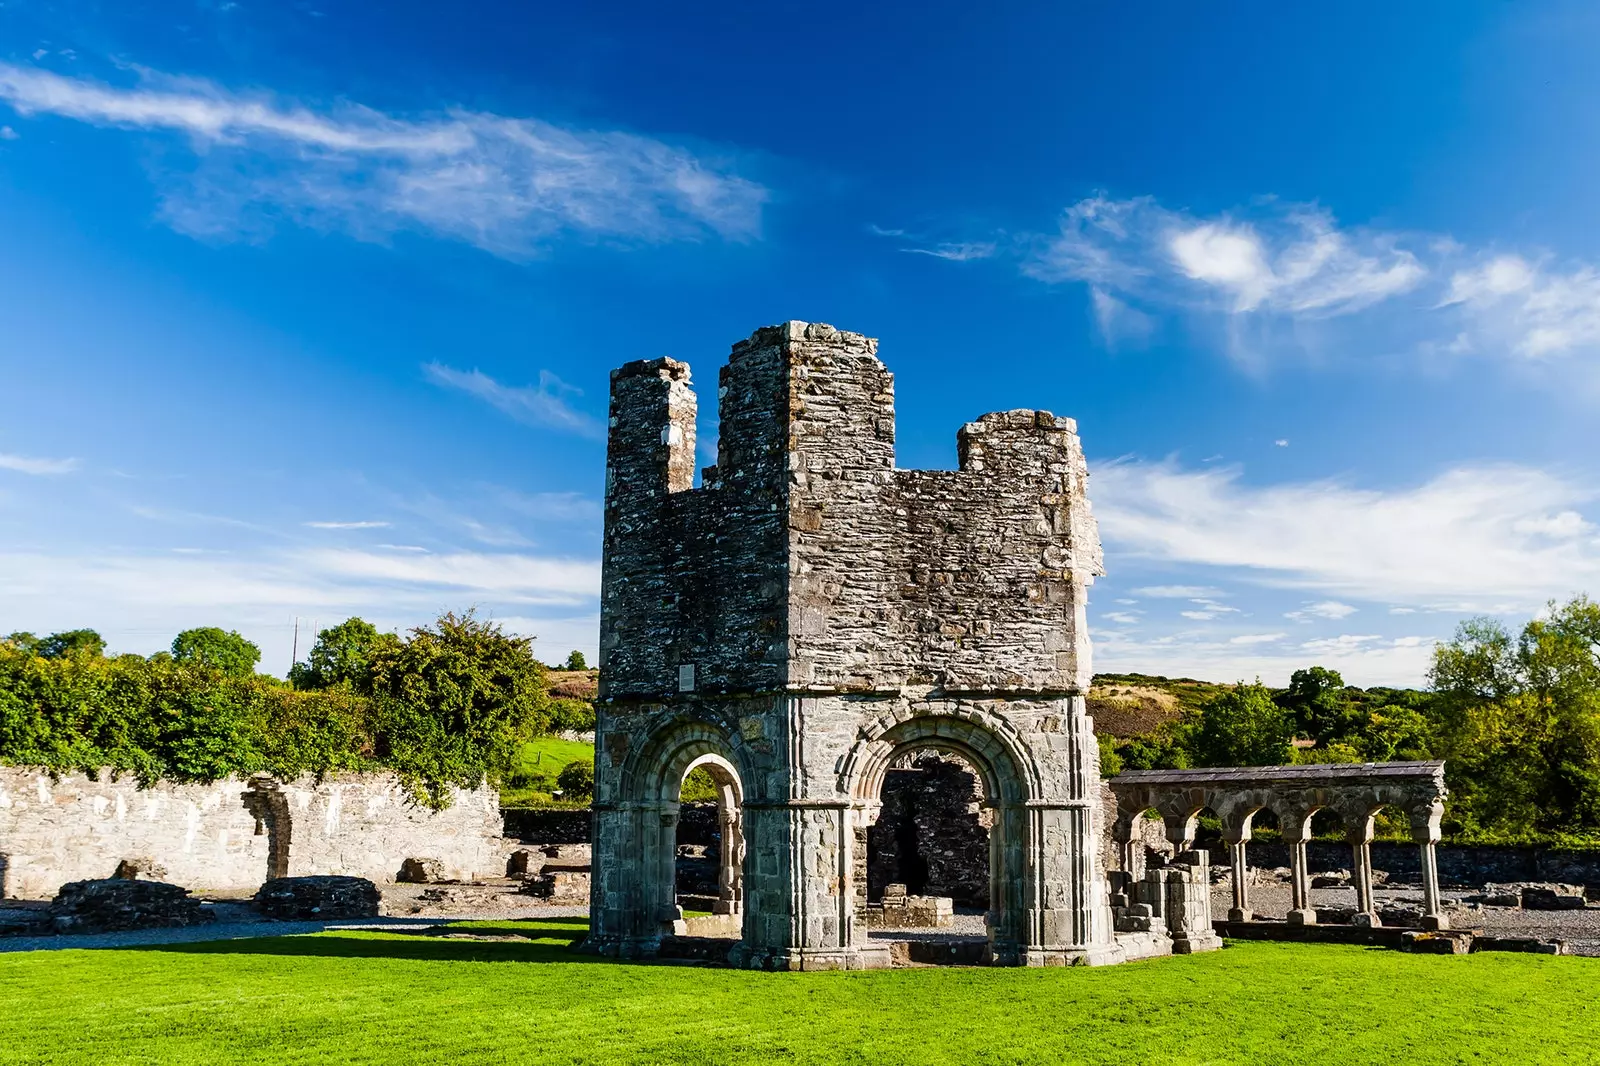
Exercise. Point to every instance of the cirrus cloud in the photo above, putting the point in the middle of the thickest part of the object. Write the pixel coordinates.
(508, 185)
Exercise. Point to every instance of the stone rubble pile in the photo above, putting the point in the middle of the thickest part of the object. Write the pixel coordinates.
(119, 904)
(318, 898)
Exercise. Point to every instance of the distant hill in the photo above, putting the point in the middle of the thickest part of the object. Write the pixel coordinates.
(1130, 705)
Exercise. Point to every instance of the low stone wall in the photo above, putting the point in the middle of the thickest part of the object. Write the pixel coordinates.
(232, 835)
(1458, 864)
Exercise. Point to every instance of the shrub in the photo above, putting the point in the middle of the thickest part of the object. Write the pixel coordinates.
(576, 780)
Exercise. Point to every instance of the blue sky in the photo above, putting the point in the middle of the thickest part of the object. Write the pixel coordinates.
(307, 309)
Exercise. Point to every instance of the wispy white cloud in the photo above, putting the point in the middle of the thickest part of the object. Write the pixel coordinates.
(1535, 311)
(1257, 638)
(8, 134)
(1325, 609)
(1206, 609)
(1177, 592)
(1295, 260)
(542, 405)
(348, 525)
(958, 251)
(507, 185)
(24, 464)
(552, 506)
(1274, 277)
(1487, 537)
(1362, 660)
(1122, 618)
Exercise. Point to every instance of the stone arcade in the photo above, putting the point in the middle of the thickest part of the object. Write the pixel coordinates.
(809, 615)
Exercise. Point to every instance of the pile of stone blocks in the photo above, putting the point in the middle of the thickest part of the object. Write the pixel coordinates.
(561, 874)
(1168, 909)
(318, 898)
(898, 910)
(119, 904)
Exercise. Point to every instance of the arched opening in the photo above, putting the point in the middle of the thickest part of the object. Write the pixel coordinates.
(1331, 867)
(930, 839)
(1266, 871)
(941, 802)
(708, 869)
(1145, 844)
(638, 812)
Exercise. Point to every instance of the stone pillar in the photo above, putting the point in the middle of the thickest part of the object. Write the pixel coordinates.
(1300, 912)
(1240, 911)
(1361, 876)
(632, 902)
(1433, 916)
(730, 890)
(1425, 832)
(1188, 910)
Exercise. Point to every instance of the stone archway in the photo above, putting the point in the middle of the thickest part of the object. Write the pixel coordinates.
(730, 828)
(633, 901)
(1030, 854)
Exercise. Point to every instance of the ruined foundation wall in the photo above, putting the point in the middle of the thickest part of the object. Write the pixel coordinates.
(229, 836)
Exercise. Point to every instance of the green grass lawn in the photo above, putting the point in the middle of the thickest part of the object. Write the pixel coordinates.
(393, 999)
(542, 758)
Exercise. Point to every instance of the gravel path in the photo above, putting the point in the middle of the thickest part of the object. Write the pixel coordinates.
(1580, 928)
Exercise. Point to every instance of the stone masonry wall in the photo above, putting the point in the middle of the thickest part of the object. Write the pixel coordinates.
(807, 561)
(931, 834)
(231, 835)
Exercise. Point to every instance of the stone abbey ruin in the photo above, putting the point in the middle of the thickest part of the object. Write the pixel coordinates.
(810, 617)
(883, 676)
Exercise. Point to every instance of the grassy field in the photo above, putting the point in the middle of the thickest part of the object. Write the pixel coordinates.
(539, 762)
(390, 999)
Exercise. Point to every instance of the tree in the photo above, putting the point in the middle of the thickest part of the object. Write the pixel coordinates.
(576, 780)
(1242, 726)
(344, 655)
(575, 661)
(1313, 697)
(23, 641)
(455, 702)
(216, 649)
(72, 642)
(1518, 722)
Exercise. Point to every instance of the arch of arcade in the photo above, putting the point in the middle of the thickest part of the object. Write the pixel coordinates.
(1355, 792)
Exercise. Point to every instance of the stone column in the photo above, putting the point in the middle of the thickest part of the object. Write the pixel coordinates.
(1300, 912)
(1433, 916)
(1425, 832)
(729, 890)
(1361, 876)
(1240, 912)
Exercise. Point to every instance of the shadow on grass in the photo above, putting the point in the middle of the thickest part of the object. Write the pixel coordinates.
(553, 940)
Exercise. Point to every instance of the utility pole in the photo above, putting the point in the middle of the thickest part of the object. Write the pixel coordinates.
(294, 656)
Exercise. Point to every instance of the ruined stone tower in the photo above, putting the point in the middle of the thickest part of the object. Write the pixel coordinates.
(811, 613)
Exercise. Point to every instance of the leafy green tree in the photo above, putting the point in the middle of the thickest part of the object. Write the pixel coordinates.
(1314, 698)
(71, 642)
(216, 649)
(1518, 722)
(23, 641)
(454, 702)
(1242, 726)
(576, 780)
(344, 655)
(575, 661)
